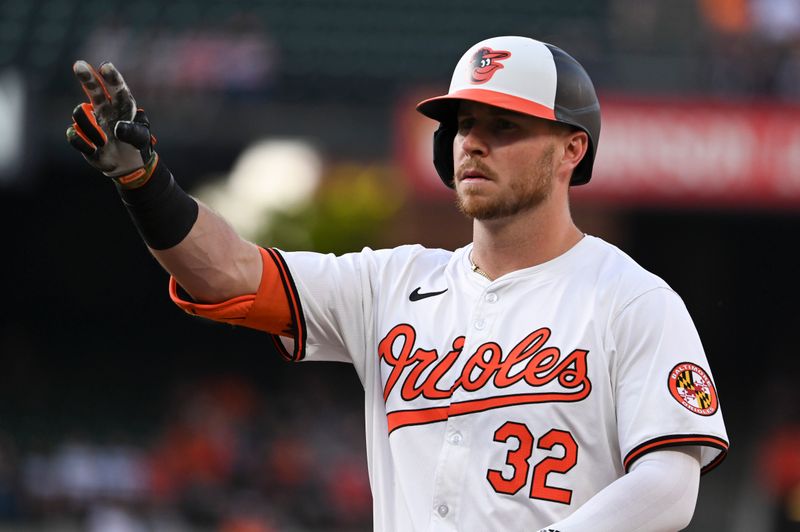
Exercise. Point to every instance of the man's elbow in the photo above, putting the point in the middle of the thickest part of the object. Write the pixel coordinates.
(681, 487)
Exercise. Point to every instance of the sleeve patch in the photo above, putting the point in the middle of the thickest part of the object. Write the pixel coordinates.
(690, 385)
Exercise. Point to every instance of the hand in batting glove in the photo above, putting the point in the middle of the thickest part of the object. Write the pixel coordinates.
(109, 130)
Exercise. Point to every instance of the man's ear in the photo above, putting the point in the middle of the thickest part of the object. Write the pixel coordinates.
(576, 146)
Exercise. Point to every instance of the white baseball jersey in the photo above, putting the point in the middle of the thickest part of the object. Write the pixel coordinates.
(505, 404)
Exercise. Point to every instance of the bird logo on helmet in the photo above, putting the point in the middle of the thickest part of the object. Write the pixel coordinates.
(485, 62)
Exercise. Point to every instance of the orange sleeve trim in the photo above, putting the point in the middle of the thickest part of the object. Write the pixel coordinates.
(267, 310)
(679, 440)
(295, 309)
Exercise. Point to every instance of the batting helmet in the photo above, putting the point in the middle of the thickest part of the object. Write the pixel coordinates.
(522, 75)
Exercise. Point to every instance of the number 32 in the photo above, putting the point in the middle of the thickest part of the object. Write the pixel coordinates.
(518, 460)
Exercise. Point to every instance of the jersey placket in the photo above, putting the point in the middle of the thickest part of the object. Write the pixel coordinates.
(458, 437)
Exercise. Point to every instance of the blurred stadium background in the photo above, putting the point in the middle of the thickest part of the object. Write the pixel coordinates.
(295, 119)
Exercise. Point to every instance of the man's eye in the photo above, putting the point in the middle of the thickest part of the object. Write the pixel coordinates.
(465, 124)
(505, 124)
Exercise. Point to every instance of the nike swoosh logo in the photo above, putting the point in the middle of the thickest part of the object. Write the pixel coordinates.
(416, 296)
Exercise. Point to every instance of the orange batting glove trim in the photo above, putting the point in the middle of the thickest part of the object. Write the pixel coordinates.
(267, 310)
(139, 178)
(82, 135)
(88, 110)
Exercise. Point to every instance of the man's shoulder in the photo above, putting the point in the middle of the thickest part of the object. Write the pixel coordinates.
(372, 260)
(620, 272)
(409, 255)
(409, 251)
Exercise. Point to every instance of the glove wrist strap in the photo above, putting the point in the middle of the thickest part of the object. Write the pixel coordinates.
(139, 177)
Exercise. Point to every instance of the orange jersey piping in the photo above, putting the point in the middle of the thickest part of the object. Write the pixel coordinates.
(675, 441)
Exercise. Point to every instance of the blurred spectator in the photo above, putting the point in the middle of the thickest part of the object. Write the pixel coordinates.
(787, 77)
(109, 518)
(82, 472)
(780, 468)
(776, 20)
(728, 17)
(348, 491)
(8, 479)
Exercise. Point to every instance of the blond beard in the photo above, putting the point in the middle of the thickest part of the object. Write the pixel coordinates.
(524, 194)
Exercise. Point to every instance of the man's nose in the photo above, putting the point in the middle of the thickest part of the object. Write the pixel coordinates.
(474, 143)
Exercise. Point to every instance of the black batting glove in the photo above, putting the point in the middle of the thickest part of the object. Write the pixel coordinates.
(111, 133)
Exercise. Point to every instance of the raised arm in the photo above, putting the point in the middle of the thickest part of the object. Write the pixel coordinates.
(193, 243)
(213, 263)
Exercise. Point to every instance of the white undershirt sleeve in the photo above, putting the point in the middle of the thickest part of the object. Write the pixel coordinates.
(657, 495)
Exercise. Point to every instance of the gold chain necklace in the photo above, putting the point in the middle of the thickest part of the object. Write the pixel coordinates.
(476, 269)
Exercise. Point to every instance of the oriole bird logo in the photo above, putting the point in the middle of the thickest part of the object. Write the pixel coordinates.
(486, 62)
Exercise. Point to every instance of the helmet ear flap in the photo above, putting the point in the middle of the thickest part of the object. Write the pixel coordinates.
(443, 152)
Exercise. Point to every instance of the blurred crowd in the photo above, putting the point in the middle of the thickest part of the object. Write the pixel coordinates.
(701, 48)
(226, 457)
(756, 46)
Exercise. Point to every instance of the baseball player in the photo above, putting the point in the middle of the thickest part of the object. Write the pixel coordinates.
(537, 378)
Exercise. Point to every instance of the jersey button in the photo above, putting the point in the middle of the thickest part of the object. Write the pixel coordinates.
(456, 438)
(442, 510)
(480, 324)
(491, 297)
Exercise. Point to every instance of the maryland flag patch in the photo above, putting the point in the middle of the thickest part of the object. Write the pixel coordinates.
(691, 386)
